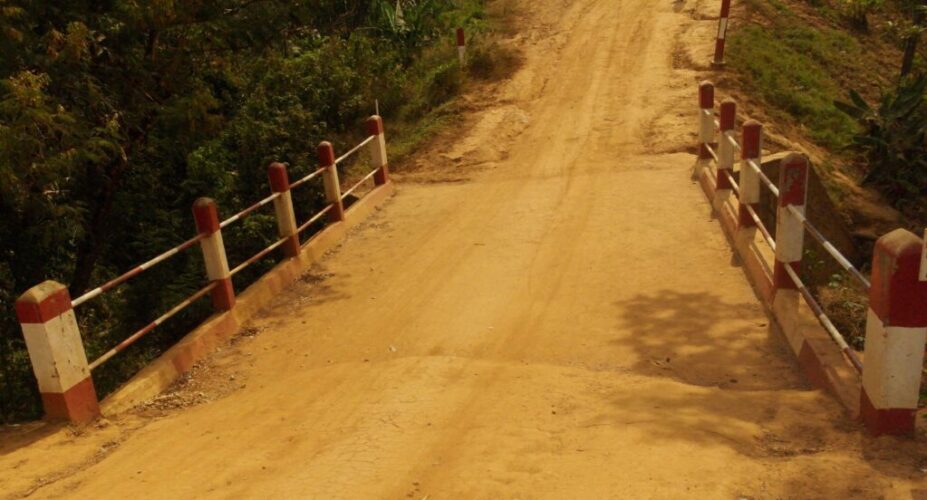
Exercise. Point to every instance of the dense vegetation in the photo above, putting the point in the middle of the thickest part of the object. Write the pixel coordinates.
(847, 72)
(116, 114)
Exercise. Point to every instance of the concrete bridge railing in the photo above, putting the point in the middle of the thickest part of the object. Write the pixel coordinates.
(896, 327)
(46, 312)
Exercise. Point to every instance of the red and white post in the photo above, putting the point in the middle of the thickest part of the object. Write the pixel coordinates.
(461, 46)
(790, 240)
(723, 185)
(326, 155)
(378, 149)
(896, 333)
(283, 208)
(57, 353)
(706, 119)
(751, 151)
(722, 33)
(206, 216)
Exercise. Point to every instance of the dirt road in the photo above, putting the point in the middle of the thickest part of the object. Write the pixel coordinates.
(567, 323)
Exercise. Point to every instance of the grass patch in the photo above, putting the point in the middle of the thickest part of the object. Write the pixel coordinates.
(796, 69)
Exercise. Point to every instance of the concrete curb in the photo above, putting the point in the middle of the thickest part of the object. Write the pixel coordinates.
(219, 328)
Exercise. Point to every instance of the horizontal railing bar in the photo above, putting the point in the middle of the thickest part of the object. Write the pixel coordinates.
(314, 218)
(830, 248)
(732, 141)
(109, 285)
(354, 149)
(355, 186)
(730, 179)
(711, 152)
(823, 319)
(762, 227)
(769, 184)
(244, 213)
(151, 326)
(258, 256)
(308, 178)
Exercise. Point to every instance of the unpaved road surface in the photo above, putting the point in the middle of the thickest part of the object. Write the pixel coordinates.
(566, 323)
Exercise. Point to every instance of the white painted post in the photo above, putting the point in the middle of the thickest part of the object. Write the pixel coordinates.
(206, 216)
(378, 149)
(461, 46)
(896, 333)
(723, 187)
(283, 208)
(326, 154)
(57, 353)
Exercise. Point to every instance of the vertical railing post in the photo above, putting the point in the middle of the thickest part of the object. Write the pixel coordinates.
(751, 150)
(706, 119)
(378, 149)
(57, 353)
(461, 46)
(896, 333)
(283, 208)
(722, 33)
(790, 235)
(725, 153)
(206, 216)
(326, 154)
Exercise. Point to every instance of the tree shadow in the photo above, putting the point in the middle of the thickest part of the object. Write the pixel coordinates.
(716, 374)
(14, 437)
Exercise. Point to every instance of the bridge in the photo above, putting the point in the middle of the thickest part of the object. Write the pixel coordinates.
(576, 318)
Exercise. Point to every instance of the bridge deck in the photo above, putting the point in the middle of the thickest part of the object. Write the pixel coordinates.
(567, 323)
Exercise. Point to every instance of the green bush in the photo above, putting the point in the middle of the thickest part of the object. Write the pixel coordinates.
(893, 141)
(492, 61)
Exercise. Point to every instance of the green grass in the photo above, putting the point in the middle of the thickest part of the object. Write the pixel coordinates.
(797, 69)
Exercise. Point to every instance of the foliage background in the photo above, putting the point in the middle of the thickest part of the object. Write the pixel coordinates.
(115, 115)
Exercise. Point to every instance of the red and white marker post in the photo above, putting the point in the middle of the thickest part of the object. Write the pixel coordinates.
(326, 155)
(790, 235)
(896, 333)
(206, 216)
(461, 46)
(723, 184)
(706, 119)
(57, 353)
(378, 149)
(283, 208)
(722, 33)
(751, 150)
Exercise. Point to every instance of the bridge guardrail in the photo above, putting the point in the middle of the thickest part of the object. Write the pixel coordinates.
(894, 341)
(46, 311)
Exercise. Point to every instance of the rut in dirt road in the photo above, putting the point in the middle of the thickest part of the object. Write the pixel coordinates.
(568, 323)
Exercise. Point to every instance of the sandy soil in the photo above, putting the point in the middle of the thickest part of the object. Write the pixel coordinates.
(567, 323)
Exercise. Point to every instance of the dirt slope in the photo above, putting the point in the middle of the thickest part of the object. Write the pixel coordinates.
(566, 324)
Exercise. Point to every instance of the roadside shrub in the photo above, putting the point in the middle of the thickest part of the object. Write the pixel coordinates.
(445, 82)
(492, 61)
(892, 141)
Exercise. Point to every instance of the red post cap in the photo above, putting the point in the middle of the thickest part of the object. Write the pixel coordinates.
(461, 41)
(326, 154)
(897, 294)
(793, 180)
(728, 114)
(279, 180)
(706, 95)
(374, 125)
(752, 139)
(206, 215)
